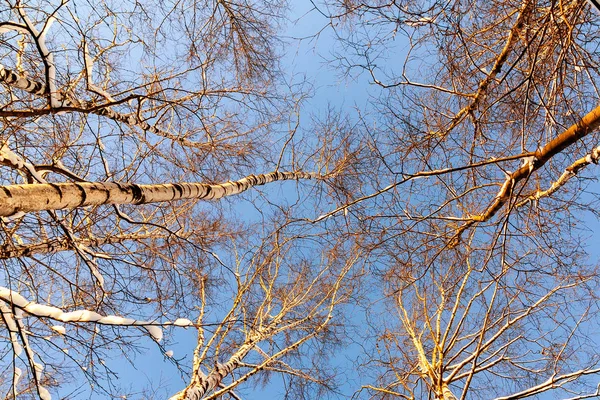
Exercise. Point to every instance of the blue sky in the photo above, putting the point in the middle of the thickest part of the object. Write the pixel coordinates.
(304, 59)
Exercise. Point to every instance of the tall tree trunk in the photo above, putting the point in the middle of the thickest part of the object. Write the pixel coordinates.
(57, 196)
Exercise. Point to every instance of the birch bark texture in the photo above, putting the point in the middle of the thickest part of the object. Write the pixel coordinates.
(57, 196)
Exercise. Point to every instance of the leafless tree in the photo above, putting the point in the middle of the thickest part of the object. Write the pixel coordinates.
(119, 121)
(476, 208)
(442, 230)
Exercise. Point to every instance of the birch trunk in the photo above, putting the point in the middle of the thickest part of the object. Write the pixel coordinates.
(57, 196)
(56, 245)
(202, 384)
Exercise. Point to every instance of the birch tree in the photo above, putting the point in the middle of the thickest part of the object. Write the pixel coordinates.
(159, 177)
(479, 206)
(123, 124)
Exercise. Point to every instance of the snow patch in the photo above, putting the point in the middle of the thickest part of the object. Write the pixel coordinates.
(17, 348)
(44, 393)
(156, 332)
(18, 162)
(80, 316)
(41, 310)
(12, 297)
(115, 320)
(183, 322)
(60, 329)
(13, 27)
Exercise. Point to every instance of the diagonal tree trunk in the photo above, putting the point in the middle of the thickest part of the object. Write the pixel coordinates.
(57, 196)
(588, 124)
(202, 384)
(13, 79)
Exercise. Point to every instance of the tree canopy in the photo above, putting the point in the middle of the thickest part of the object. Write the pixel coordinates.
(166, 176)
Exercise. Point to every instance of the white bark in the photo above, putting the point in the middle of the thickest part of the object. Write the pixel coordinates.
(57, 196)
(11, 250)
(12, 79)
(202, 384)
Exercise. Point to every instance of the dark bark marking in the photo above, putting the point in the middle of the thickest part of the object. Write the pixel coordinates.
(8, 193)
(83, 193)
(58, 189)
(138, 194)
(179, 189)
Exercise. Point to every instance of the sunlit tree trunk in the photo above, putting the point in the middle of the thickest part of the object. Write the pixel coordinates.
(57, 196)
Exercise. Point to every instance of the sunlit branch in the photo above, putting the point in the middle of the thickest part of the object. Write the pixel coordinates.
(70, 104)
(571, 171)
(513, 37)
(556, 380)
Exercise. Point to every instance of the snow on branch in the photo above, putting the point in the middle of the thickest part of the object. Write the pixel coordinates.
(11, 78)
(16, 330)
(79, 316)
(8, 26)
(553, 382)
(57, 99)
(12, 159)
(47, 56)
(9, 321)
(89, 70)
(8, 157)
